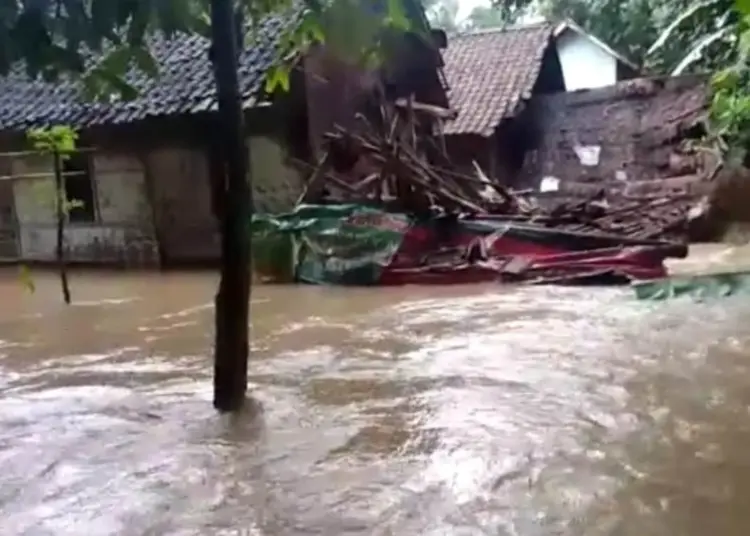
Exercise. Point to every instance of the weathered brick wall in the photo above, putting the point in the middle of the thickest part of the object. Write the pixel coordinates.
(637, 124)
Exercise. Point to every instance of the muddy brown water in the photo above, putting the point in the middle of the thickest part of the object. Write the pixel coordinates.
(439, 411)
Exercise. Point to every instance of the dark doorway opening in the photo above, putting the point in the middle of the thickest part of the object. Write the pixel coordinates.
(79, 189)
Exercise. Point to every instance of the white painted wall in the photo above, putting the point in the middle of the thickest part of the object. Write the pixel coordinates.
(584, 64)
(121, 231)
(89, 243)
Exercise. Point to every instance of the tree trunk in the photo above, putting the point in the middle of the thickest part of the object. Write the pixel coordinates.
(233, 298)
(60, 200)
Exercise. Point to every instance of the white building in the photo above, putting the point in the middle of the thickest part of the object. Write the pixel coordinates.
(586, 61)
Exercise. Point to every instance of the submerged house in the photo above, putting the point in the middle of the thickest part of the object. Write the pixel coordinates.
(143, 175)
(532, 99)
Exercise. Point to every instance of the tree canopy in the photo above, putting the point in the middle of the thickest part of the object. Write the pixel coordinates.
(53, 37)
(633, 26)
(444, 14)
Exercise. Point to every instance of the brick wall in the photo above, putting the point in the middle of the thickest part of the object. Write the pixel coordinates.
(637, 124)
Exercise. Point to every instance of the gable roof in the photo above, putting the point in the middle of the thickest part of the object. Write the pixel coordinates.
(185, 84)
(489, 72)
(570, 26)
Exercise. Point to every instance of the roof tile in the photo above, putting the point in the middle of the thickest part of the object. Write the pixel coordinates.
(184, 85)
(490, 71)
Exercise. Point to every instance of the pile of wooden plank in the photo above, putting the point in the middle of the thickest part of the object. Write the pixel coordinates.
(394, 166)
(655, 217)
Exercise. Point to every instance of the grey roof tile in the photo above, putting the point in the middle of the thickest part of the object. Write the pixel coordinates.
(185, 84)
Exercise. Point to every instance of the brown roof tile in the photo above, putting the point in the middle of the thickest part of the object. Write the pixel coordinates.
(489, 72)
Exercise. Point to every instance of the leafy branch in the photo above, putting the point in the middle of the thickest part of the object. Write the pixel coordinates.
(59, 142)
(99, 41)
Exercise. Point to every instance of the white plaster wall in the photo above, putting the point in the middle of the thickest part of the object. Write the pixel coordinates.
(34, 189)
(276, 186)
(122, 229)
(87, 243)
(121, 189)
(584, 64)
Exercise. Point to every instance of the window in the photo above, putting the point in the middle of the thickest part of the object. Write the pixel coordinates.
(79, 188)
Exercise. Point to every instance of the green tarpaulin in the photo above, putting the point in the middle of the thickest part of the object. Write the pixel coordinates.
(696, 286)
(335, 244)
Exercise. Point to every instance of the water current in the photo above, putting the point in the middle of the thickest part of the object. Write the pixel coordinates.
(467, 410)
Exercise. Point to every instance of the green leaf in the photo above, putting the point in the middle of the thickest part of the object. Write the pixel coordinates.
(309, 29)
(277, 77)
(697, 51)
(104, 85)
(202, 24)
(24, 275)
(71, 204)
(117, 61)
(92, 86)
(690, 12)
(145, 62)
(725, 79)
(122, 88)
(9, 10)
(140, 19)
(396, 16)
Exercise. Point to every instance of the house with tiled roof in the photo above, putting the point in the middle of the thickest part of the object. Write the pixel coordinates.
(144, 179)
(549, 107)
(491, 75)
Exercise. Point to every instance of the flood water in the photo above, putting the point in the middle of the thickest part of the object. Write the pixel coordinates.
(470, 410)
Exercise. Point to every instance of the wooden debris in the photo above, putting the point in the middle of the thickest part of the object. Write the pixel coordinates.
(391, 164)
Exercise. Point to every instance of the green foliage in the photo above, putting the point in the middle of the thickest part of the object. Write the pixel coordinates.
(730, 103)
(60, 142)
(705, 29)
(27, 280)
(729, 118)
(355, 35)
(53, 38)
(632, 27)
(680, 36)
(486, 17)
(444, 14)
(628, 26)
(58, 139)
(729, 35)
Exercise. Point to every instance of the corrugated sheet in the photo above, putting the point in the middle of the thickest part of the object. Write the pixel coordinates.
(489, 72)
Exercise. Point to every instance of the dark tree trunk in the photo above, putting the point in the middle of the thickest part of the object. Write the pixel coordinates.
(233, 297)
(60, 200)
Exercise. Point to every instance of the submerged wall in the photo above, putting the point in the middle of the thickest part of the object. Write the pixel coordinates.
(120, 230)
(150, 205)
